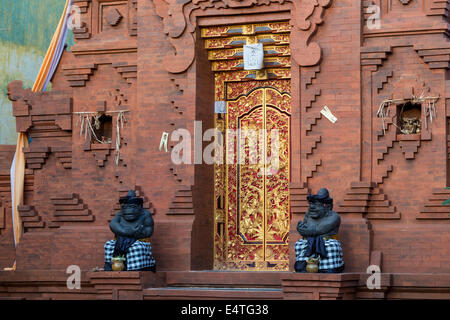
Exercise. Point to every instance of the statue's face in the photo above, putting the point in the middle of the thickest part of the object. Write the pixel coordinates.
(131, 212)
(317, 209)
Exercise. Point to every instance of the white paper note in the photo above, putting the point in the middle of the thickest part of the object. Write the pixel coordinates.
(253, 56)
(327, 113)
(220, 107)
(163, 142)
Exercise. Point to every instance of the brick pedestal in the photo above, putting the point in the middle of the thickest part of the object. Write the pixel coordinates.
(124, 285)
(318, 286)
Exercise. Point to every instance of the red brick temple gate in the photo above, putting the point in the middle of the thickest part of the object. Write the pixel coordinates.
(149, 61)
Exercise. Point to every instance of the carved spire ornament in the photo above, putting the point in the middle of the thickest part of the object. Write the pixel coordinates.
(306, 15)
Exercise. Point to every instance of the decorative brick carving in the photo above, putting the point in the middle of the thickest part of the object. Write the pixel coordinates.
(182, 203)
(433, 208)
(386, 170)
(78, 75)
(82, 4)
(312, 121)
(374, 56)
(438, 8)
(178, 120)
(310, 117)
(106, 15)
(310, 144)
(437, 56)
(180, 83)
(409, 145)
(30, 217)
(100, 151)
(405, 2)
(297, 198)
(380, 78)
(35, 156)
(309, 92)
(6, 157)
(69, 208)
(83, 31)
(310, 75)
(177, 172)
(133, 17)
(306, 16)
(113, 17)
(47, 114)
(368, 199)
(309, 167)
(311, 96)
(127, 71)
(64, 155)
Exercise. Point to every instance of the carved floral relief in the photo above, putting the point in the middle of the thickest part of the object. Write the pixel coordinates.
(306, 15)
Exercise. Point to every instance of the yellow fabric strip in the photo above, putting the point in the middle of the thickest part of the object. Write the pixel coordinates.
(19, 183)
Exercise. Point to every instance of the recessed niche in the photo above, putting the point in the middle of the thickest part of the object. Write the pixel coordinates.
(409, 117)
(102, 128)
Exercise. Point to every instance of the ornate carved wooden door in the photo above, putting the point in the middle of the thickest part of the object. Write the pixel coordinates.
(252, 186)
(251, 210)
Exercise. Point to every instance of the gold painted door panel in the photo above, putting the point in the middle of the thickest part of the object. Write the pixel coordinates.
(255, 175)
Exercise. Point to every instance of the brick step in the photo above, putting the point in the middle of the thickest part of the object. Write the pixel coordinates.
(84, 212)
(212, 293)
(219, 279)
(362, 203)
(71, 206)
(82, 218)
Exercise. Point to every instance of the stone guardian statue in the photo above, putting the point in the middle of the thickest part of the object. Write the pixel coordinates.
(132, 227)
(319, 230)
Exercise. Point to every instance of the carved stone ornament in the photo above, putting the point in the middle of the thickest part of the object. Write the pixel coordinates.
(113, 17)
(405, 2)
(306, 15)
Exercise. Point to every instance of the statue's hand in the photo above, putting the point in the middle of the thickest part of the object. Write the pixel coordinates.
(302, 225)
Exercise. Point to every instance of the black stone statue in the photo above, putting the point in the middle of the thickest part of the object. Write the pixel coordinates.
(319, 230)
(132, 227)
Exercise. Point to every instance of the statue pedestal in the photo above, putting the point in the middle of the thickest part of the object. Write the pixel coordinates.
(320, 286)
(124, 285)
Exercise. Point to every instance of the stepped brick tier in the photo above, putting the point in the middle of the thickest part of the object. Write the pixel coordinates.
(143, 67)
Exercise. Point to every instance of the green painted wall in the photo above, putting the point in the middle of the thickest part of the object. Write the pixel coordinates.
(26, 29)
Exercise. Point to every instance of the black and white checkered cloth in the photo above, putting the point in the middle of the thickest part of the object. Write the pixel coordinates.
(334, 257)
(139, 255)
